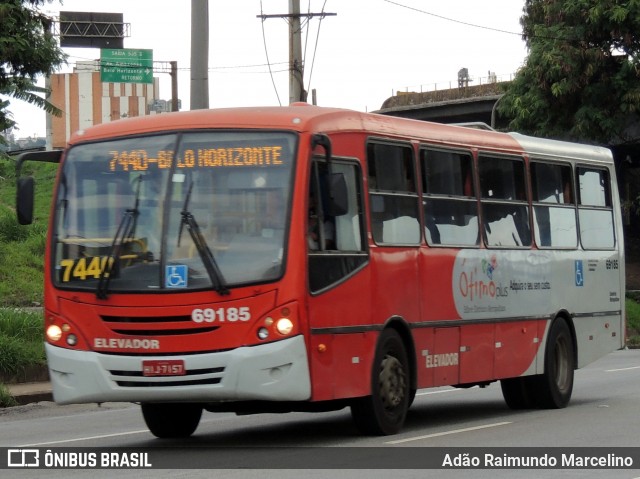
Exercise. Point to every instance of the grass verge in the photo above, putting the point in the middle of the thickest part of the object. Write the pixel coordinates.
(633, 320)
(21, 346)
(22, 247)
(6, 399)
(21, 340)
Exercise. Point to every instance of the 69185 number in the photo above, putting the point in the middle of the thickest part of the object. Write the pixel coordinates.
(221, 315)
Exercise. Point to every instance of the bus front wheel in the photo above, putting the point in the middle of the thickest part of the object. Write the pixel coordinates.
(171, 420)
(385, 410)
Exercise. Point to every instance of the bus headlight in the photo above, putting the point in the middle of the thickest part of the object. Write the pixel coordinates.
(281, 322)
(54, 333)
(284, 326)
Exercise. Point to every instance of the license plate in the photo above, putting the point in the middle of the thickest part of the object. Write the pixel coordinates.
(171, 367)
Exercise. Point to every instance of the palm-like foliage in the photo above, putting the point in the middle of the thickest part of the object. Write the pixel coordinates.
(27, 50)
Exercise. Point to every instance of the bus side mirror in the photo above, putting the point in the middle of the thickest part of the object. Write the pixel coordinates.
(24, 200)
(338, 195)
(25, 185)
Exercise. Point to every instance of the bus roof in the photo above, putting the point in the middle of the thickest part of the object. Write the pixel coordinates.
(549, 149)
(302, 117)
(299, 117)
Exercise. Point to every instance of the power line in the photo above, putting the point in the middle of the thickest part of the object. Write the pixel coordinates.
(264, 41)
(573, 41)
(315, 48)
(296, 58)
(224, 67)
(453, 19)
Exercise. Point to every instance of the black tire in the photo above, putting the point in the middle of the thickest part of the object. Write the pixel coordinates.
(412, 396)
(171, 420)
(384, 412)
(555, 386)
(517, 392)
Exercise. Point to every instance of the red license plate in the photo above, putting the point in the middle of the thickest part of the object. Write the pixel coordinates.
(171, 367)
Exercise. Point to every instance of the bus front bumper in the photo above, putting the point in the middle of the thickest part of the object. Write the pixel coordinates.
(276, 371)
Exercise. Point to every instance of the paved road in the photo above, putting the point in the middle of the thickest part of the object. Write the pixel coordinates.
(604, 412)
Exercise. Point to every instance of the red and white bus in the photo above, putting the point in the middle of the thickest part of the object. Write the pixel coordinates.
(306, 259)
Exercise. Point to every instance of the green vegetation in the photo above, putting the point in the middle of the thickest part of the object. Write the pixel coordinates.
(21, 274)
(21, 340)
(6, 399)
(27, 50)
(580, 76)
(21, 346)
(22, 247)
(633, 320)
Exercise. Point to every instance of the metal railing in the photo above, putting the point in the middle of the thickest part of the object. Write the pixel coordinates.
(458, 83)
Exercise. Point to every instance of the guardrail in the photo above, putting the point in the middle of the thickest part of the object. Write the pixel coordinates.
(452, 84)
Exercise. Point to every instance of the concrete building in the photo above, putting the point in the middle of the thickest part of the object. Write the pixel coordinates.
(86, 101)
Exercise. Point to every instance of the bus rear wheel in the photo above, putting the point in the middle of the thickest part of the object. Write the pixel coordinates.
(518, 393)
(384, 412)
(171, 420)
(555, 386)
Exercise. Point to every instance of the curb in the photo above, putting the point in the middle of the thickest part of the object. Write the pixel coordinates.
(27, 393)
(29, 386)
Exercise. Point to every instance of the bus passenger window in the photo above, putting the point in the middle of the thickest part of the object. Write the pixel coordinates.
(393, 195)
(450, 204)
(504, 204)
(554, 214)
(595, 209)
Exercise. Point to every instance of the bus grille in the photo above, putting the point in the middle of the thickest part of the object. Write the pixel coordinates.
(155, 326)
(193, 377)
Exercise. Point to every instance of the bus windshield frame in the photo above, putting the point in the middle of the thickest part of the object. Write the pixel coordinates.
(180, 211)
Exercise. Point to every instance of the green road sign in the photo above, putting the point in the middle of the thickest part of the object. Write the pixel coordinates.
(126, 65)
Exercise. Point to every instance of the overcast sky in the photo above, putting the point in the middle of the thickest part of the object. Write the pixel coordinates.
(356, 59)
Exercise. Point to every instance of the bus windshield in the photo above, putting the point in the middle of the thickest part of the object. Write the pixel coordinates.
(204, 210)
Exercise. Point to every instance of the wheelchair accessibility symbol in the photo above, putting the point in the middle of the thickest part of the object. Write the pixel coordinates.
(176, 276)
(579, 273)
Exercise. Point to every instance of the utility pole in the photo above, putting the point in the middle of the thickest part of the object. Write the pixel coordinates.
(296, 62)
(172, 69)
(174, 85)
(296, 71)
(199, 54)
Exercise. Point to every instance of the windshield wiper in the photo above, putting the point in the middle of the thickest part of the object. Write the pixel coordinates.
(209, 261)
(126, 231)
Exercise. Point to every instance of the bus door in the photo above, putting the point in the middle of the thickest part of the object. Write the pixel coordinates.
(339, 301)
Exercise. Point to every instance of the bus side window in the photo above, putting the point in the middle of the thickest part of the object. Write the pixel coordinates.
(450, 204)
(554, 214)
(393, 195)
(504, 206)
(595, 209)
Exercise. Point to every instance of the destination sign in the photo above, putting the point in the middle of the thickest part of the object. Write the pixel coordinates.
(142, 160)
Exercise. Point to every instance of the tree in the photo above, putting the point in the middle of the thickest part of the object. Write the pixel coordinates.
(581, 79)
(27, 49)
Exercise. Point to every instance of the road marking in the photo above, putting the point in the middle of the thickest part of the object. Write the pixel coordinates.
(621, 369)
(446, 433)
(85, 438)
(439, 392)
